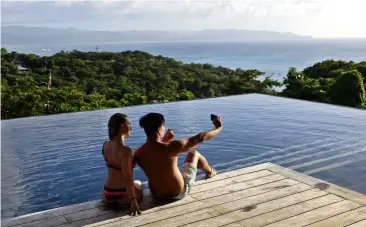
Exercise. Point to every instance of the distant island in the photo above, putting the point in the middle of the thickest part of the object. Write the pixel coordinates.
(78, 81)
(22, 35)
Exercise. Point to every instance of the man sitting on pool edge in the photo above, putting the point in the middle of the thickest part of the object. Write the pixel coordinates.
(158, 157)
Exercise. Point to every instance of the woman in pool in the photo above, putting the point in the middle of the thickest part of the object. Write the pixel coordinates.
(119, 186)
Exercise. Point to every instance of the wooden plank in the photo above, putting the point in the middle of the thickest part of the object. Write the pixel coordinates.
(148, 205)
(233, 180)
(91, 207)
(262, 189)
(82, 219)
(261, 198)
(91, 220)
(344, 219)
(253, 207)
(89, 214)
(293, 210)
(329, 187)
(231, 173)
(252, 196)
(54, 221)
(194, 206)
(317, 214)
(51, 213)
(256, 190)
(236, 187)
(87, 207)
(358, 224)
(233, 225)
(153, 217)
(186, 218)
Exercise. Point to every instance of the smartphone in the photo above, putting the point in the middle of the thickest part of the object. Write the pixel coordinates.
(214, 117)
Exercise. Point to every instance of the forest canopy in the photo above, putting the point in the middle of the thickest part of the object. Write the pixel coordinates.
(95, 80)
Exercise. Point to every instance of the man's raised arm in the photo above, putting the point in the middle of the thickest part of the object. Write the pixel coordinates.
(183, 145)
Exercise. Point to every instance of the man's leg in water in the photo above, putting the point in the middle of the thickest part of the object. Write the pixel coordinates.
(195, 158)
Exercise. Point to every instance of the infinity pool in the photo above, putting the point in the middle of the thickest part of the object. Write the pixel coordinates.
(53, 161)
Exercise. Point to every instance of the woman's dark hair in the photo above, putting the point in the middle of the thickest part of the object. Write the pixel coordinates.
(151, 123)
(114, 124)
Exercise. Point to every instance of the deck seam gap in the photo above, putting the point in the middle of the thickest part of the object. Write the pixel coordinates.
(346, 198)
(205, 182)
(266, 200)
(289, 206)
(177, 216)
(305, 178)
(355, 223)
(292, 215)
(67, 219)
(229, 178)
(306, 212)
(249, 188)
(241, 208)
(244, 188)
(335, 215)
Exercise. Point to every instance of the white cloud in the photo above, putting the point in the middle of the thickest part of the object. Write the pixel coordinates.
(322, 18)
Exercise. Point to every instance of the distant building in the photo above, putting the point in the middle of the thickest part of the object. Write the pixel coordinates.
(19, 64)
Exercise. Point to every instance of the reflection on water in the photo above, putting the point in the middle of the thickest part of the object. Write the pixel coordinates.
(54, 161)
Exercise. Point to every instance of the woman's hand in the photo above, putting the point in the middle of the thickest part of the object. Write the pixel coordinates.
(128, 176)
(135, 209)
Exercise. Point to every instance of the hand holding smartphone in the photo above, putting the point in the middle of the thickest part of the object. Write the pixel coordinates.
(216, 120)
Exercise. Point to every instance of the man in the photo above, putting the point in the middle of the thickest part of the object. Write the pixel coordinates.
(158, 157)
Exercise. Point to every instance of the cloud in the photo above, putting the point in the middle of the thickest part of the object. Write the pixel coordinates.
(308, 17)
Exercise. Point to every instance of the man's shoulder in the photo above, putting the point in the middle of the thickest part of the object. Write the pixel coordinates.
(171, 151)
(138, 150)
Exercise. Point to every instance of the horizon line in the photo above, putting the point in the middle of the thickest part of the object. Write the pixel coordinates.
(190, 30)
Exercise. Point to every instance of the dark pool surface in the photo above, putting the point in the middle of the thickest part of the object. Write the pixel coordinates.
(53, 161)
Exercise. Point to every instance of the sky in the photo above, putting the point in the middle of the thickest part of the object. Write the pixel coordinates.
(317, 18)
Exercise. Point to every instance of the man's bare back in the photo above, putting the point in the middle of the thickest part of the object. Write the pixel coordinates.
(161, 168)
(158, 157)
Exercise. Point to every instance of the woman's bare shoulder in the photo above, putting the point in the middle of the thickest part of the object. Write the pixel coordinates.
(126, 150)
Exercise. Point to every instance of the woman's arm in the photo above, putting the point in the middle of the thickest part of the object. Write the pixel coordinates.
(128, 176)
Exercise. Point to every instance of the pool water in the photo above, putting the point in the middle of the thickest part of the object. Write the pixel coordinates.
(53, 161)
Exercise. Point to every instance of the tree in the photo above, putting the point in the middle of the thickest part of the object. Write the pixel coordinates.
(322, 69)
(112, 103)
(349, 90)
(186, 95)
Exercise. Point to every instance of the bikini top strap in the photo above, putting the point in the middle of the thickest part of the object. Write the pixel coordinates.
(103, 147)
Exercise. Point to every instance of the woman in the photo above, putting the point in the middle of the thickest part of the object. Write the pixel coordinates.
(119, 186)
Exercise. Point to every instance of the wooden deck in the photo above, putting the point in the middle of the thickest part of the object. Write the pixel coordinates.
(262, 195)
